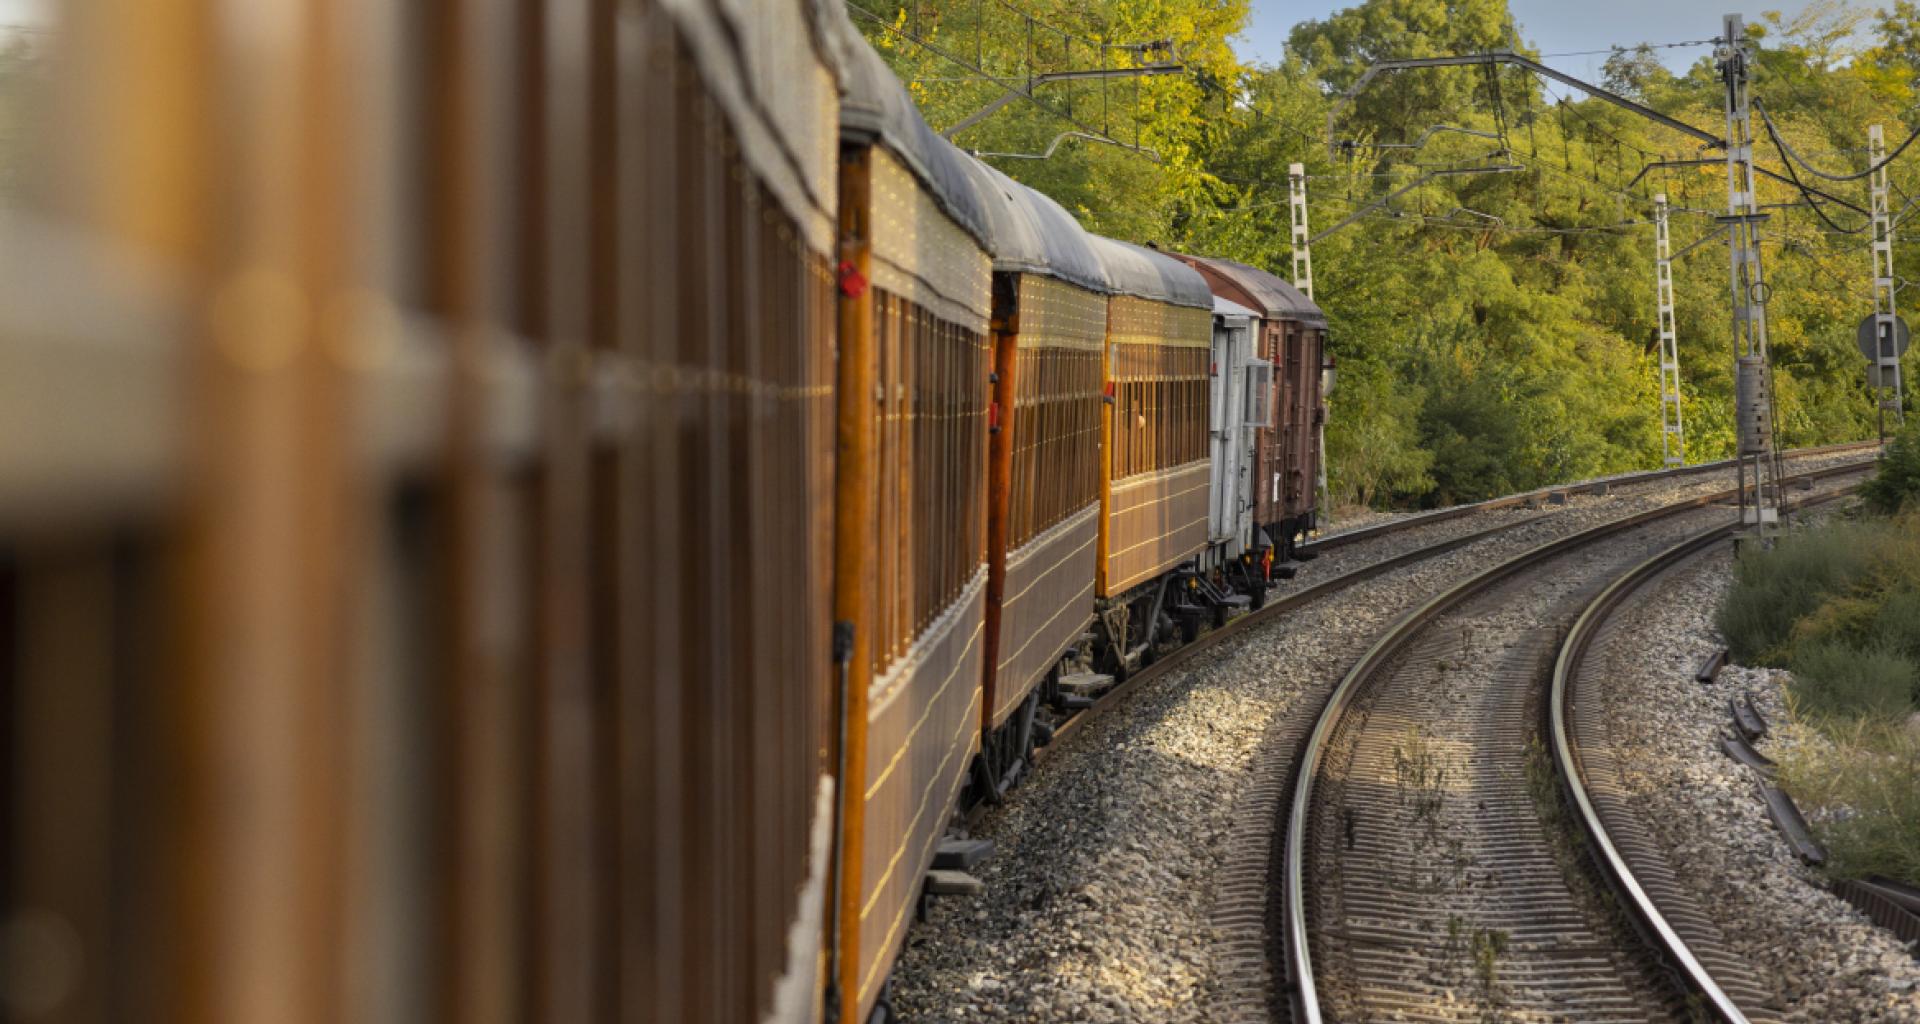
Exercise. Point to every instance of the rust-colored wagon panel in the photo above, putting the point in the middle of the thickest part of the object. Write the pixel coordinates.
(1291, 337)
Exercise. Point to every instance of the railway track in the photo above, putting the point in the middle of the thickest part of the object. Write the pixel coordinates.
(1428, 868)
(1280, 605)
(1184, 726)
(1616, 831)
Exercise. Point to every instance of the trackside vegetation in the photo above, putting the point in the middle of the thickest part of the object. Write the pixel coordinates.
(1494, 331)
(1839, 606)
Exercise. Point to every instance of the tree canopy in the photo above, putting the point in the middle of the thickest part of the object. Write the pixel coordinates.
(1494, 331)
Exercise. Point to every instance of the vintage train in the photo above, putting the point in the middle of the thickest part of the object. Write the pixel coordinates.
(1055, 454)
(520, 509)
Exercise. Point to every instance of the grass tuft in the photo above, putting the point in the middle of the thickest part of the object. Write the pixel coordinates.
(1836, 680)
(1840, 607)
(1859, 782)
(1897, 484)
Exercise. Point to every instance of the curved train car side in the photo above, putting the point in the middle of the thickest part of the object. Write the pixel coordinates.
(1049, 335)
(911, 511)
(569, 506)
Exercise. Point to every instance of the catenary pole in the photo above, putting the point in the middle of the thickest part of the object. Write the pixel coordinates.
(1673, 432)
(1757, 461)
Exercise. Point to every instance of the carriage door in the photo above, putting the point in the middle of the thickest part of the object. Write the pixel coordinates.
(1227, 414)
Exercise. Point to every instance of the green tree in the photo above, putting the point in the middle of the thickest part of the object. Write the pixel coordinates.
(1493, 331)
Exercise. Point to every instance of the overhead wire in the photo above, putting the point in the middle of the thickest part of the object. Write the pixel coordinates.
(1629, 49)
(1794, 176)
(1787, 151)
(1027, 95)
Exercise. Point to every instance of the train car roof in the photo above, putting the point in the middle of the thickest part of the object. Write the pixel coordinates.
(1274, 297)
(773, 68)
(1029, 233)
(876, 107)
(1223, 306)
(1144, 273)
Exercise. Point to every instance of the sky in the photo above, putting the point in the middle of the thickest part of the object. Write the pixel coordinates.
(1556, 26)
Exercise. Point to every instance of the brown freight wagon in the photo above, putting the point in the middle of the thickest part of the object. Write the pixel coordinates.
(1287, 455)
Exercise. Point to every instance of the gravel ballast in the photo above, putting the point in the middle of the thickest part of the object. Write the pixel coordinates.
(1823, 960)
(1100, 892)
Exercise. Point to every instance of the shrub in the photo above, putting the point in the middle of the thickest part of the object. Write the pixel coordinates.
(1897, 484)
(1860, 786)
(1775, 589)
(1898, 625)
(1840, 606)
(1839, 680)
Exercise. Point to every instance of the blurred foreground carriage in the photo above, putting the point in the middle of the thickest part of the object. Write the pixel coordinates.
(518, 509)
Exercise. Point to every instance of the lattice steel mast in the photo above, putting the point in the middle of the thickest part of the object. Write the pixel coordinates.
(1673, 439)
(1303, 280)
(1302, 246)
(1885, 372)
(1758, 462)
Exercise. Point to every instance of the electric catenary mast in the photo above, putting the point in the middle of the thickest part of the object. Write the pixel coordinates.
(1302, 245)
(1884, 372)
(1673, 433)
(1757, 461)
(1303, 280)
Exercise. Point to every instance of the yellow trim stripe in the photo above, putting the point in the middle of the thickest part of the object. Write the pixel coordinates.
(926, 793)
(1065, 606)
(907, 742)
(1156, 539)
(1048, 571)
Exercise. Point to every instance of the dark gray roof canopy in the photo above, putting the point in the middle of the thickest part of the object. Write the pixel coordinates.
(1029, 233)
(1132, 270)
(1281, 299)
(876, 107)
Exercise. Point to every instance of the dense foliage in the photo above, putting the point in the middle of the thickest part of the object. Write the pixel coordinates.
(1896, 484)
(1839, 605)
(1494, 331)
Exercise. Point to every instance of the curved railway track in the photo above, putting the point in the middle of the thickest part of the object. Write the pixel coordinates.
(1427, 873)
(1278, 606)
(1616, 832)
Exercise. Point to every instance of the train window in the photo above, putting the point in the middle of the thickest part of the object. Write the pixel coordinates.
(1259, 411)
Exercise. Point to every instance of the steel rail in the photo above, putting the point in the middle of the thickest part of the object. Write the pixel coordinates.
(1298, 956)
(1300, 598)
(1573, 778)
(1344, 538)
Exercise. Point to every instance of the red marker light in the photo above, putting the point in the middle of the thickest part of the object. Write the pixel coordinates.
(853, 284)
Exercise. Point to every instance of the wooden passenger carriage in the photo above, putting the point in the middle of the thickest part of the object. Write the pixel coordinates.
(423, 383)
(1154, 492)
(1049, 332)
(911, 529)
